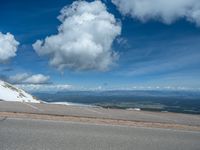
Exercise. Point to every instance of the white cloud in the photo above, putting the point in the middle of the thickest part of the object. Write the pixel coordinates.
(18, 78)
(37, 79)
(166, 11)
(25, 78)
(8, 46)
(45, 87)
(84, 38)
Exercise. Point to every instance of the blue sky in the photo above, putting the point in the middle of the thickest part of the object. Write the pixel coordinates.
(151, 53)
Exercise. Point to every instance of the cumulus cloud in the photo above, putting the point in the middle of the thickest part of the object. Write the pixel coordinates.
(8, 46)
(45, 87)
(84, 38)
(26, 78)
(166, 11)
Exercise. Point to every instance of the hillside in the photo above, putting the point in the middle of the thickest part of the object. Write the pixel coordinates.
(9, 92)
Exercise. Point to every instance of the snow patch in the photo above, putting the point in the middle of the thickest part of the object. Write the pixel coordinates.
(9, 92)
(135, 109)
(71, 104)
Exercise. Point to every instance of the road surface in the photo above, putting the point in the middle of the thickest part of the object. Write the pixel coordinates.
(27, 134)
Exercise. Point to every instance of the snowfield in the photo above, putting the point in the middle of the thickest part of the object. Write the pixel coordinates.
(9, 92)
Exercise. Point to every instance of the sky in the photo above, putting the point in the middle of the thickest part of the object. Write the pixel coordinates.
(100, 45)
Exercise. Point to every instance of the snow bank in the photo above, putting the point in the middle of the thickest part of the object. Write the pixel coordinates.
(9, 92)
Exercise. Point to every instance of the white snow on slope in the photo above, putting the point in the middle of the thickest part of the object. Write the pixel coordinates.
(9, 92)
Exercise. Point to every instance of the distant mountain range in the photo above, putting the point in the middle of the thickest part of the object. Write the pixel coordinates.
(126, 93)
(172, 101)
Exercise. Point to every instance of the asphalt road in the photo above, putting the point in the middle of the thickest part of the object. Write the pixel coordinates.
(24, 134)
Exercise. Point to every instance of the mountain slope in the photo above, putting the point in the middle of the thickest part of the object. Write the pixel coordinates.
(9, 92)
